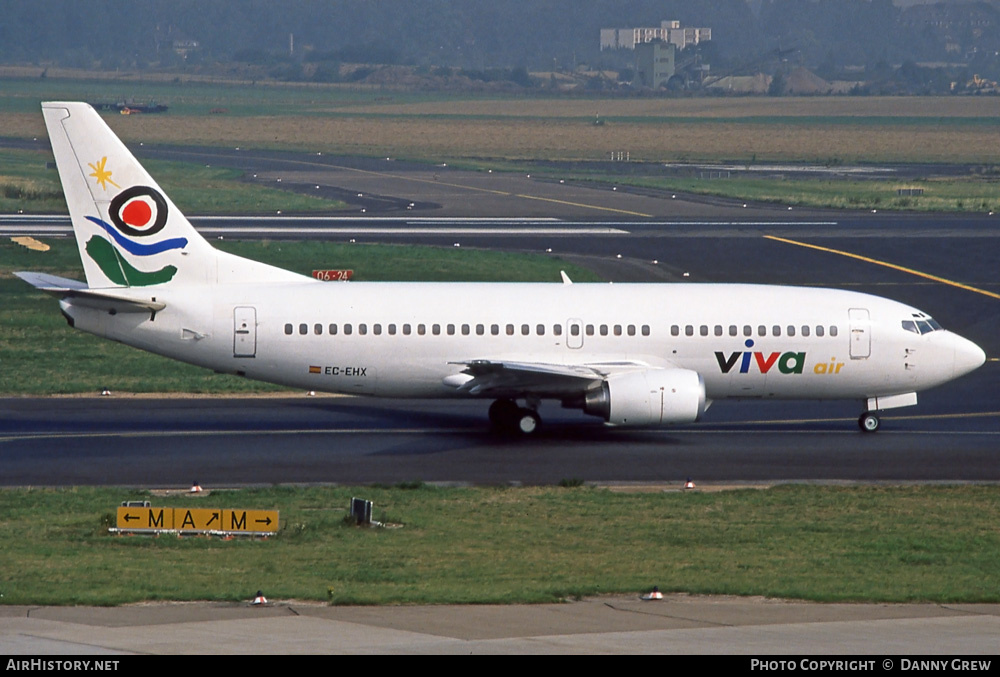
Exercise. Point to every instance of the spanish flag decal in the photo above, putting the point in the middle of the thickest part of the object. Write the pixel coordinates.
(315, 370)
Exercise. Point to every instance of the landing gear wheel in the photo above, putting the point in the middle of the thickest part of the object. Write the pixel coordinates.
(869, 422)
(503, 413)
(528, 421)
(510, 419)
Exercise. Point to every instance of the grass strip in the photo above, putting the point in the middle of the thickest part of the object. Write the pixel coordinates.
(513, 545)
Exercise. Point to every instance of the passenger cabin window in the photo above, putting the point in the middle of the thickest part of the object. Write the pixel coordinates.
(288, 328)
(303, 329)
(819, 330)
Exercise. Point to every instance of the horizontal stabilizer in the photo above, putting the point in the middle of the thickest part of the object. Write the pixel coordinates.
(78, 294)
(51, 284)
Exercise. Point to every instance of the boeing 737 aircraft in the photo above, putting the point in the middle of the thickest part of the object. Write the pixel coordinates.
(632, 354)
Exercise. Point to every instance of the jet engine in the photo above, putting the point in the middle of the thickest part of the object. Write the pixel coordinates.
(649, 398)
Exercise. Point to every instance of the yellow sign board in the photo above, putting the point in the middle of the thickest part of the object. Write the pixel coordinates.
(145, 518)
(250, 520)
(198, 520)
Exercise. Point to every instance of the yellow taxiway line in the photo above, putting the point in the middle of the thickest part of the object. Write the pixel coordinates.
(886, 264)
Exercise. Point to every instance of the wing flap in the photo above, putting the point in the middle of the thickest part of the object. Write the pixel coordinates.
(488, 378)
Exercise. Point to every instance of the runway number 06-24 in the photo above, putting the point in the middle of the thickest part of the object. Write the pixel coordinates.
(333, 275)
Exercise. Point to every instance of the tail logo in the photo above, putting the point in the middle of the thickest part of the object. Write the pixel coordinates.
(136, 213)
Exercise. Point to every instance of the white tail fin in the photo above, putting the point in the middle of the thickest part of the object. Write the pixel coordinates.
(129, 232)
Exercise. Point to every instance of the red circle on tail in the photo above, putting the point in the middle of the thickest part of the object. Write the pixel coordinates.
(137, 213)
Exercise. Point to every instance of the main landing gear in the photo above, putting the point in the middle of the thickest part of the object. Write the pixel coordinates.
(509, 418)
(869, 422)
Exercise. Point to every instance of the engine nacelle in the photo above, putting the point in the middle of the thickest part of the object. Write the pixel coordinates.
(653, 397)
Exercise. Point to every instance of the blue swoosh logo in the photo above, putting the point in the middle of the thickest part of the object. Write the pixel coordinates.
(137, 248)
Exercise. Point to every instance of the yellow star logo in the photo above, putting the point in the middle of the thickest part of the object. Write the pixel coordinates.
(102, 175)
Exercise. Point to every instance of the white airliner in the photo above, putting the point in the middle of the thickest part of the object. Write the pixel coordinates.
(632, 354)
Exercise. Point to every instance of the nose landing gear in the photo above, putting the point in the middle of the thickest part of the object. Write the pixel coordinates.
(869, 422)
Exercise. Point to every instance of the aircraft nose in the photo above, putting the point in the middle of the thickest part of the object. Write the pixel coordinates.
(968, 356)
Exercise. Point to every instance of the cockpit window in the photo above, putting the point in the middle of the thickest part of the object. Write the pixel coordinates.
(922, 326)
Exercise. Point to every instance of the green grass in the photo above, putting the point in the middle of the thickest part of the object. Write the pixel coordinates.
(41, 355)
(507, 545)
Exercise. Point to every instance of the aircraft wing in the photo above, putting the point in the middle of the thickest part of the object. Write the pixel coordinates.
(79, 294)
(487, 378)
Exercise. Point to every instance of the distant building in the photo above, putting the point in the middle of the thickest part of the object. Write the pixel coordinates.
(654, 63)
(669, 31)
(184, 47)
